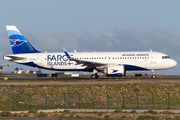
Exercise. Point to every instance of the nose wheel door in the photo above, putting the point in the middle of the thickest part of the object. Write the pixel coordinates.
(38, 60)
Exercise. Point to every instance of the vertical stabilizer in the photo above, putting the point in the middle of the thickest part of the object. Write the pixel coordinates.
(1, 67)
(18, 42)
(27, 72)
(15, 70)
(20, 71)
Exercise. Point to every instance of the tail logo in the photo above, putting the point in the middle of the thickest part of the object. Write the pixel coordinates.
(17, 42)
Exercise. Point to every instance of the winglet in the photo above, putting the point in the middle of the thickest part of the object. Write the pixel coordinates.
(66, 53)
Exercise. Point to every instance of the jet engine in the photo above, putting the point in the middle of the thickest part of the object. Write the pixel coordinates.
(114, 71)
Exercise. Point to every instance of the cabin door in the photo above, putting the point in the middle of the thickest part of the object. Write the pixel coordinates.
(39, 60)
(153, 58)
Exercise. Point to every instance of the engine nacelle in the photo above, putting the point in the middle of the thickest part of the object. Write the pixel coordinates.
(115, 71)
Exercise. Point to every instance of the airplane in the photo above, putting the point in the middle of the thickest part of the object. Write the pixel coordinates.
(27, 72)
(34, 72)
(1, 67)
(19, 71)
(15, 71)
(109, 63)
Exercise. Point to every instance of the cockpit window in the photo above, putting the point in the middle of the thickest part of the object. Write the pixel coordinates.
(165, 57)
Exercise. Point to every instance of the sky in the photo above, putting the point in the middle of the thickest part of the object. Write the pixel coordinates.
(94, 25)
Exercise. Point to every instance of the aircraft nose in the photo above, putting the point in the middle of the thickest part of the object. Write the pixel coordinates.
(174, 63)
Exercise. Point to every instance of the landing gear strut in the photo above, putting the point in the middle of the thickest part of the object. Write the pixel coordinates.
(153, 75)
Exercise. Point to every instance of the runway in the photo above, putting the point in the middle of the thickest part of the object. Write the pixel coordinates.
(23, 79)
(87, 82)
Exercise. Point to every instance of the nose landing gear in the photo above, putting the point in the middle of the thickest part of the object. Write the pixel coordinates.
(153, 74)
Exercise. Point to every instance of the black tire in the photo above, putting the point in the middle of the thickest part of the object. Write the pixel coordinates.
(97, 76)
(153, 76)
(94, 76)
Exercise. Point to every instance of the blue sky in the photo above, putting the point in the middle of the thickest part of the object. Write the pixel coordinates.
(93, 25)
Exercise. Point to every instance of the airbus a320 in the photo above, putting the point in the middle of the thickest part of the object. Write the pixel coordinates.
(109, 63)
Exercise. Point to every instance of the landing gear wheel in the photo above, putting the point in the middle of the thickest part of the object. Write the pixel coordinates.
(94, 76)
(153, 76)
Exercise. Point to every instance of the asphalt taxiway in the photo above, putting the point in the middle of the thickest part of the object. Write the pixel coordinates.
(87, 82)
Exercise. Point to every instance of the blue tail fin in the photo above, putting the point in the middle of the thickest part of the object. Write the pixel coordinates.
(1, 67)
(18, 42)
(15, 70)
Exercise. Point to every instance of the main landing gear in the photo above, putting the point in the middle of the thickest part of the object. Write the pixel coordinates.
(94, 76)
(153, 75)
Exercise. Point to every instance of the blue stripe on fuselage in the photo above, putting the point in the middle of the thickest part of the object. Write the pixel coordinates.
(132, 67)
(126, 67)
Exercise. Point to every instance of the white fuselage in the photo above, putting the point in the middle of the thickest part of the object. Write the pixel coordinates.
(130, 60)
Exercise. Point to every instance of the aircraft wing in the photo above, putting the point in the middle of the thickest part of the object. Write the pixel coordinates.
(89, 64)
